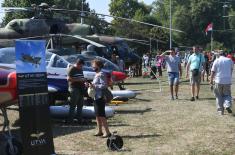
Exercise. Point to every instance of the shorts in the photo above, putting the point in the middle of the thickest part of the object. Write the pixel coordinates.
(207, 69)
(195, 79)
(99, 106)
(173, 78)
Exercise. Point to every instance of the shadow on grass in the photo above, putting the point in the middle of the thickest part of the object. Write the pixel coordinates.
(64, 129)
(210, 98)
(142, 83)
(142, 100)
(118, 125)
(133, 111)
(16, 123)
(141, 136)
(12, 108)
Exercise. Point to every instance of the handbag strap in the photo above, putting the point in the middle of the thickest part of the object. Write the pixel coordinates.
(199, 61)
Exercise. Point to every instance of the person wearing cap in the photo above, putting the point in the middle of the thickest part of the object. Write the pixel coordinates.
(174, 70)
(76, 86)
(221, 74)
(196, 64)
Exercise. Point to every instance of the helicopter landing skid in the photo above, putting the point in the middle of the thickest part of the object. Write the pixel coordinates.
(13, 146)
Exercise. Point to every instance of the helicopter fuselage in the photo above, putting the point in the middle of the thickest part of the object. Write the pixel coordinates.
(23, 28)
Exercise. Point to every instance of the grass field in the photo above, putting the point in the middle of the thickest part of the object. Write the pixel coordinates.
(152, 124)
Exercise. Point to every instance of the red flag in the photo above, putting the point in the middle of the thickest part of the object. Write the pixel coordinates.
(209, 28)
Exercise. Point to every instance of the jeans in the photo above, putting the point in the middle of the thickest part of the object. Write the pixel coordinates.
(76, 99)
(223, 95)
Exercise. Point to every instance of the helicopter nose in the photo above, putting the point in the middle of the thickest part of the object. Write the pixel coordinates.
(118, 76)
(134, 57)
(8, 34)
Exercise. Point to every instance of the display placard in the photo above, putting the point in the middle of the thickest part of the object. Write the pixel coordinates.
(33, 97)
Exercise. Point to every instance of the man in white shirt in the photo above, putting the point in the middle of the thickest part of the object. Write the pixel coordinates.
(221, 73)
(146, 60)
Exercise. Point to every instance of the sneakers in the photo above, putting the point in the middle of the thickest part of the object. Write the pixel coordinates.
(229, 110)
(197, 97)
(221, 113)
(176, 97)
(172, 98)
(192, 99)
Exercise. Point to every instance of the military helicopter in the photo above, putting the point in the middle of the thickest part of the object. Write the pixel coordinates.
(24, 28)
(29, 59)
(43, 16)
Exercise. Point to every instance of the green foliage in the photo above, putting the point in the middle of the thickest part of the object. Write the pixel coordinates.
(216, 46)
(193, 16)
(72, 5)
(137, 11)
(68, 4)
(21, 3)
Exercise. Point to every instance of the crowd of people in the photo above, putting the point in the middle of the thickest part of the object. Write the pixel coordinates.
(216, 67)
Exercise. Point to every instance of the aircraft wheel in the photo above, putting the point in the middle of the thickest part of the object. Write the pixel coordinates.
(17, 148)
(51, 99)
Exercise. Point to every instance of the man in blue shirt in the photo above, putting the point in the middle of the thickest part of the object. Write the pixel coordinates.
(196, 64)
(174, 71)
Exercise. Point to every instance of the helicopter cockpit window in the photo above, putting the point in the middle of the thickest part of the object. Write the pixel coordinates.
(88, 63)
(7, 57)
(15, 25)
(59, 62)
(48, 58)
(109, 65)
(71, 59)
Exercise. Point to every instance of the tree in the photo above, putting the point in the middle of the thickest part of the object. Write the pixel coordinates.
(21, 3)
(192, 16)
(216, 45)
(73, 5)
(68, 4)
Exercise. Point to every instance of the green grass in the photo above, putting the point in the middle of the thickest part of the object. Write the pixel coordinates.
(152, 124)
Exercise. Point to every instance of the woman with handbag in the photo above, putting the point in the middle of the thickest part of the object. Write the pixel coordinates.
(99, 83)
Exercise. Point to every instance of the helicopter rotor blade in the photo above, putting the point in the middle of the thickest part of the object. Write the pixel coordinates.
(117, 17)
(16, 9)
(83, 13)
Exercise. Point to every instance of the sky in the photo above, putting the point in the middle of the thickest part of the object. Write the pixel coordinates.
(100, 6)
(25, 48)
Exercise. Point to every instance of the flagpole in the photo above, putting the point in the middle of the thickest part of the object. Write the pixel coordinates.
(211, 40)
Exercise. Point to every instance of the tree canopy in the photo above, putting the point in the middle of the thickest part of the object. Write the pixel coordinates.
(190, 16)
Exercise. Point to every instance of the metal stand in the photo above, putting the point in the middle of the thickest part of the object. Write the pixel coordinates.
(13, 146)
(159, 81)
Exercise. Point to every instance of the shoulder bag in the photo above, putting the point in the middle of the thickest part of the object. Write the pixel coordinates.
(195, 72)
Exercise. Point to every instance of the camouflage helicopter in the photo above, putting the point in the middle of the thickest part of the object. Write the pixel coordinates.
(29, 28)
(43, 23)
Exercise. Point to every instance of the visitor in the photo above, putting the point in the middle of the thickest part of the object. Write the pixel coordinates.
(221, 74)
(174, 72)
(76, 87)
(196, 64)
(99, 83)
